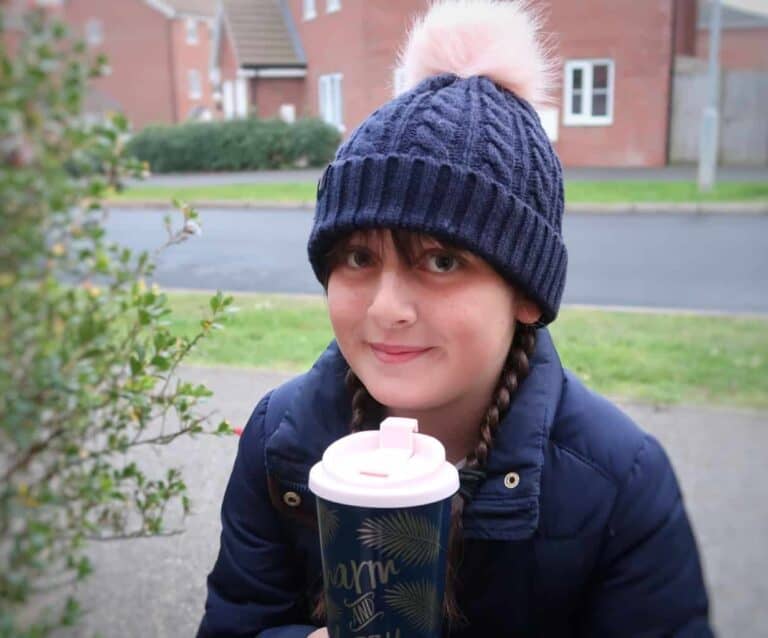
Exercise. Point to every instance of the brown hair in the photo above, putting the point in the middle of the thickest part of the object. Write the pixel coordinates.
(408, 245)
(367, 413)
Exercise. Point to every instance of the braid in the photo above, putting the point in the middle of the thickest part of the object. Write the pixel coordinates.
(360, 400)
(363, 407)
(516, 368)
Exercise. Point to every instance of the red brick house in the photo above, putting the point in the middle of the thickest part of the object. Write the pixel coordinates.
(257, 60)
(159, 56)
(336, 59)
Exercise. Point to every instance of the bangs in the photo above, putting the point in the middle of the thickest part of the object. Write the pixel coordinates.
(408, 244)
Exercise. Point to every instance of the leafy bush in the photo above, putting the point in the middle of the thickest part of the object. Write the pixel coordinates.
(87, 359)
(234, 145)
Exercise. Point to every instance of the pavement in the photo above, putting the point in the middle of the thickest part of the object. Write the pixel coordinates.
(664, 173)
(156, 587)
(586, 208)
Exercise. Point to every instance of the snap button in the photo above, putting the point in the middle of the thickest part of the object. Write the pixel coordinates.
(512, 480)
(291, 499)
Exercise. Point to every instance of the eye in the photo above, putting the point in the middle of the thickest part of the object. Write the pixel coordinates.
(358, 258)
(442, 262)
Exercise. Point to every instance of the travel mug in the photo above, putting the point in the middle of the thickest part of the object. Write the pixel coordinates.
(383, 507)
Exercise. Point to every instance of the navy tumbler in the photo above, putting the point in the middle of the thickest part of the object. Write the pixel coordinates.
(383, 506)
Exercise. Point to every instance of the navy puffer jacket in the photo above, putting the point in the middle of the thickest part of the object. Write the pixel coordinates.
(593, 540)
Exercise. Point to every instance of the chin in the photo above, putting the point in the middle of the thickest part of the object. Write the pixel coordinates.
(403, 395)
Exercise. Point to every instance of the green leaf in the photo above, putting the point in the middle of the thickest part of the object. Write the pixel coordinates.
(161, 362)
(224, 428)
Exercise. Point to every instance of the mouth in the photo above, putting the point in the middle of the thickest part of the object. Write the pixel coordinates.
(396, 353)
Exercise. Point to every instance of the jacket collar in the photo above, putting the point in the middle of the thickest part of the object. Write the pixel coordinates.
(503, 508)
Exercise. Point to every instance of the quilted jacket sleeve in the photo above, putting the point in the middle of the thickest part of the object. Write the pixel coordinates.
(255, 584)
(649, 581)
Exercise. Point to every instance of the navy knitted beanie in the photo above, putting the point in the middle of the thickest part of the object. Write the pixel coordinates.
(464, 159)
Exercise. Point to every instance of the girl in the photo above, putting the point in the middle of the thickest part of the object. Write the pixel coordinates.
(437, 238)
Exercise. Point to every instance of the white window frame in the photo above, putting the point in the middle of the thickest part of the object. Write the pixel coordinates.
(330, 94)
(585, 118)
(310, 9)
(190, 31)
(94, 32)
(195, 84)
(332, 6)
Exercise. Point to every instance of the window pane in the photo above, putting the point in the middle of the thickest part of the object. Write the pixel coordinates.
(576, 104)
(578, 78)
(600, 104)
(600, 76)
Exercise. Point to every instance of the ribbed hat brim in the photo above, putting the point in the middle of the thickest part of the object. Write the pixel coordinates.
(442, 200)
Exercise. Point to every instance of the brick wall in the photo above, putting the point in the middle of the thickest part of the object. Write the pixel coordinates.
(637, 36)
(136, 39)
(362, 39)
(270, 93)
(186, 57)
(740, 49)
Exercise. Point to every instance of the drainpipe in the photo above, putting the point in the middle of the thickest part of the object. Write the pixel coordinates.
(174, 79)
(710, 118)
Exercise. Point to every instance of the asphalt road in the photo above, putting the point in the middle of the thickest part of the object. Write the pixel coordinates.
(156, 587)
(701, 262)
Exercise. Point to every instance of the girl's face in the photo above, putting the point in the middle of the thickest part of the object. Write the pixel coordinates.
(426, 334)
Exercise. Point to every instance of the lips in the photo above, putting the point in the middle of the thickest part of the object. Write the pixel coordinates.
(389, 353)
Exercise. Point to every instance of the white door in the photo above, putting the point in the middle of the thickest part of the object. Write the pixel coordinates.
(241, 97)
(229, 99)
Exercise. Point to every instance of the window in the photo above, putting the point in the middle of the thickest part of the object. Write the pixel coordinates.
(588, 92)
(94, 32)
(331, 101)
(195, 84)
(288, 113)
(190, 28)
(310, 10)
(332, 5)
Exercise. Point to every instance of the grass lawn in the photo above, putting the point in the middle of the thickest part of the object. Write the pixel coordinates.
(664, 359)
(629, 191)
(575, 192)
(288, 192)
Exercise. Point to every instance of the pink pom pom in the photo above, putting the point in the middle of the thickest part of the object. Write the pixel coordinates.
(237, 431)
(498, 39)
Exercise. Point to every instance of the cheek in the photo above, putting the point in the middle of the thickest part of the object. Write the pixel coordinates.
(482, 330)
(345, 306)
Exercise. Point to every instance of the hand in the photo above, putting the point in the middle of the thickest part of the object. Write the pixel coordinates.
(320, 633)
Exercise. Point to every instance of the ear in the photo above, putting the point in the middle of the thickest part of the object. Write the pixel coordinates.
(526, 311)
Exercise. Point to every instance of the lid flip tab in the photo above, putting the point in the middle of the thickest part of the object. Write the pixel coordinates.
(395, 447)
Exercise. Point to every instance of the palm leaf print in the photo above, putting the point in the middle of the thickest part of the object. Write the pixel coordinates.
(403, 536)
(328, 523)
(416, 602)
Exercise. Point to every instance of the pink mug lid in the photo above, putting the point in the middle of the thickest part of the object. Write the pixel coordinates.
(393, 466)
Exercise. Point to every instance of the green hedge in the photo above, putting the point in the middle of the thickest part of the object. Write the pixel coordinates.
(235, 145)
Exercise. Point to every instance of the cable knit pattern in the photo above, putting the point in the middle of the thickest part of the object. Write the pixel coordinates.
(462, 159)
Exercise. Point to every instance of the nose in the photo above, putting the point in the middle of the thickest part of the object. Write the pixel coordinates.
(394, 303)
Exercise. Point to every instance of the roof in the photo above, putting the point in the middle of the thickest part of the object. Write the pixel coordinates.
(732, 18)
(263, 33)
(205, 8)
